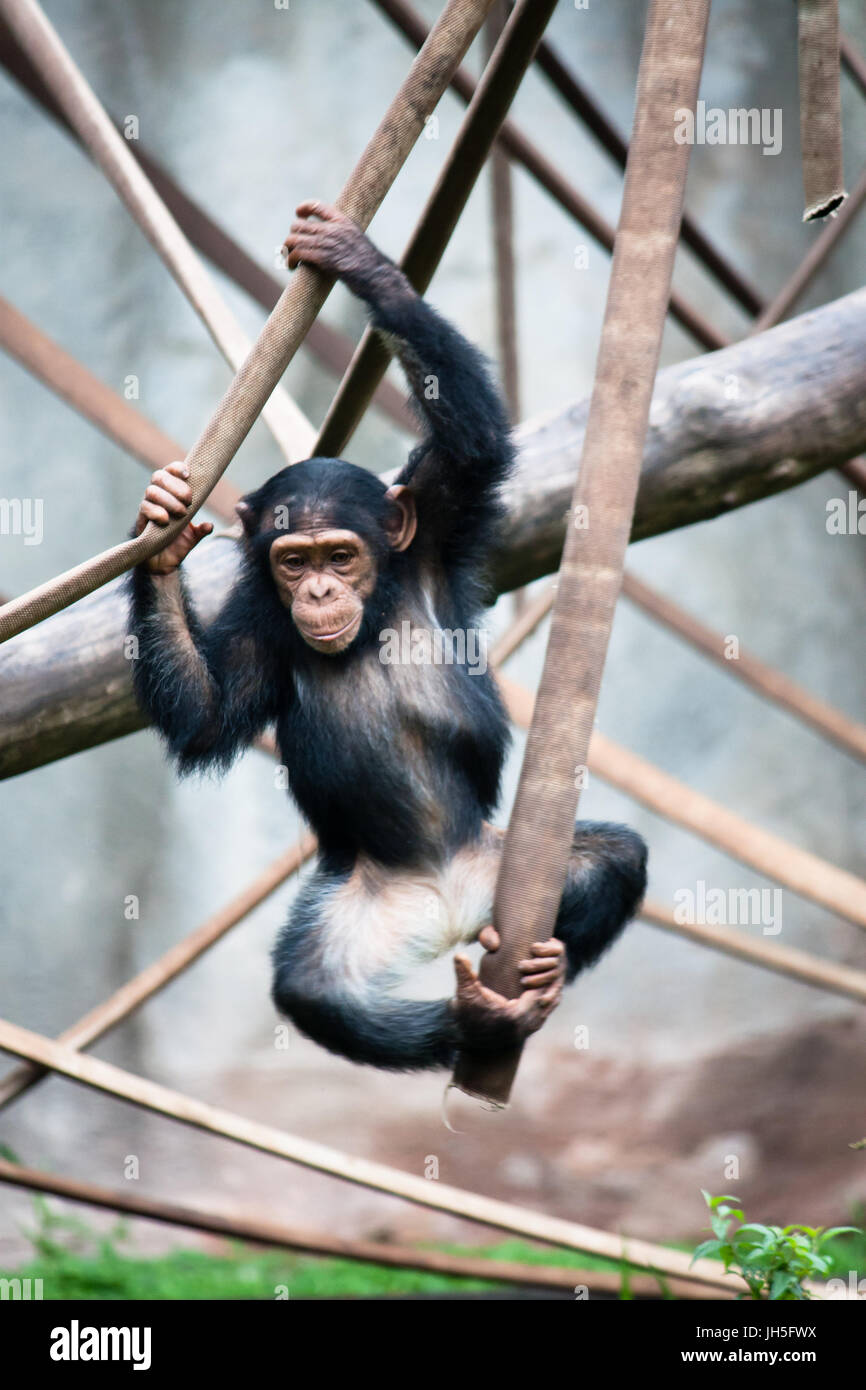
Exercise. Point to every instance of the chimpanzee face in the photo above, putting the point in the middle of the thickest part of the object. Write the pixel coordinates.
(324, 577)
(325, 529)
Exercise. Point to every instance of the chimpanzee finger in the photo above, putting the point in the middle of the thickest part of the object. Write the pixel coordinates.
(312, 207)
(552, 947)
(466, 976)
(489, 938)
(163, 498)
(170, 482)
(178, 467)
(302, 248)
(539, 963)
(539, 981)
(154, 513)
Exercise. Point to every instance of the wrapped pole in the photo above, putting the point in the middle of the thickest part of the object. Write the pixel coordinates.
(538, 843)
(820, 109)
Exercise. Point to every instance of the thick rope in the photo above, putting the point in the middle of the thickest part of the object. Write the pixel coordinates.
(820, 108)
(538, 842)
(286, 327)
(94, 127)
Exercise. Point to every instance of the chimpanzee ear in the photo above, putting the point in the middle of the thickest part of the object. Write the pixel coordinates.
(247, 516)
(402, 522)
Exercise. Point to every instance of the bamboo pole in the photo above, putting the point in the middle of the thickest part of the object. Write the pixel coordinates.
(820, 107)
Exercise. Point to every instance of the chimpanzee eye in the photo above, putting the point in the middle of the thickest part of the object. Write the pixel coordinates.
(340, 557)
(294, 562)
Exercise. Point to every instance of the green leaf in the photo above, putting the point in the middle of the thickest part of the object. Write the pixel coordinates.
(707, 1247)
(764, 1232)
(833, 1231)
(781, 1282)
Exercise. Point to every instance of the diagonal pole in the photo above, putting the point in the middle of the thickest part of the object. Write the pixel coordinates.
(308, 1153)
(484, 117)
(92, 124)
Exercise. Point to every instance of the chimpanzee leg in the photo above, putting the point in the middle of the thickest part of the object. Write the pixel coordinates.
(606, 882)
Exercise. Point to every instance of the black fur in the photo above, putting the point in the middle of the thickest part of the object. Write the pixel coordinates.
(401, 788)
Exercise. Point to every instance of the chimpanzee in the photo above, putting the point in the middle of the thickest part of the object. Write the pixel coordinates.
(395, 763)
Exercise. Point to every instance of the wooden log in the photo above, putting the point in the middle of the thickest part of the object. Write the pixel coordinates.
(799, 408)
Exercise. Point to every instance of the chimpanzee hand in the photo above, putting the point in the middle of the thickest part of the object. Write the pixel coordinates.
(487, 1021)
(168, 496)
(331, 241)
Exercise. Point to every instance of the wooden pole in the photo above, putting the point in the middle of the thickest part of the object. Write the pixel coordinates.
(768, 854)
(153, 978)
(325, 1245)
(485, 114)
(85, 113)
(539, 837)
(782, 960)
(148, 1095)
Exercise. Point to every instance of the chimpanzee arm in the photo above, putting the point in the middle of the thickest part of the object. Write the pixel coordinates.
(207, 690)
(456, 471)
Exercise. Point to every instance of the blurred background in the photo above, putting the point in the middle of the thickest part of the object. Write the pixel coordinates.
(693, 1058)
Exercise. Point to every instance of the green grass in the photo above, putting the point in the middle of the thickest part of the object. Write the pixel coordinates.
(74, 1262)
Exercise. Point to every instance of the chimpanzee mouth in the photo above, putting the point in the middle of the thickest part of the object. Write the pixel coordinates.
(311, 636)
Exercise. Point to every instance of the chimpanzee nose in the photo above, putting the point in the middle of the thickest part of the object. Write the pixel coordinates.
(320, 586)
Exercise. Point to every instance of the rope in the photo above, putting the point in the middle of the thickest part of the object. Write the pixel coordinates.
(820, 109)
(538, 842)
(286, 327)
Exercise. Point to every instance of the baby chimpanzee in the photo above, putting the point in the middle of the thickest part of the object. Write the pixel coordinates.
(395, 763)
